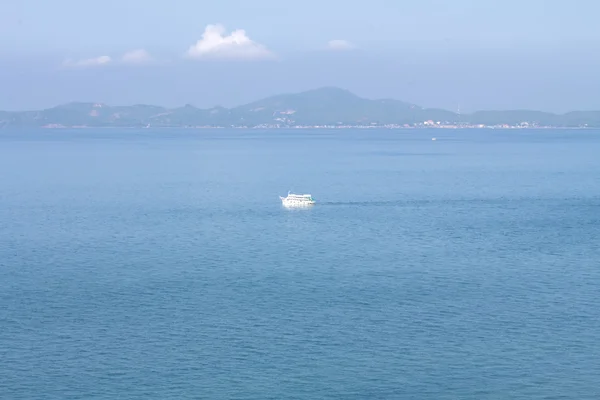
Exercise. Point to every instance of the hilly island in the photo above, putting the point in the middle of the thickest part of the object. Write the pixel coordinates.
(326, 107)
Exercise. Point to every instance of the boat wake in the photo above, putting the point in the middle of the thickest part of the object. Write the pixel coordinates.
(361, 203)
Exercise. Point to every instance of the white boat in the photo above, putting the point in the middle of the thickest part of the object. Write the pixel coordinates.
(297, 200)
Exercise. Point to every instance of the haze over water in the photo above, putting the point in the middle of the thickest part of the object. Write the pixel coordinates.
(161, 265)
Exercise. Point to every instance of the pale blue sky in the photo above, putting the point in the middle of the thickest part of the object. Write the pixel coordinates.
(481, 54)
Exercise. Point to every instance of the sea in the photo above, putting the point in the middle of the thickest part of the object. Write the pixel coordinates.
(160, 264)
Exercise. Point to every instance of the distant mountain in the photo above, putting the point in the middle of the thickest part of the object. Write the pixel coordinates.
(333, 106)
(328, 106)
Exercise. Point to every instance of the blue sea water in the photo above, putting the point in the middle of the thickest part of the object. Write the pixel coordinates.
(161, 265)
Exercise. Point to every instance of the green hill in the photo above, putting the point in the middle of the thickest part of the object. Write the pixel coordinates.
(324, 106)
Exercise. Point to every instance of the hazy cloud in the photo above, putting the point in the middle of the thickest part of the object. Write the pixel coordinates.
(139, 56)
(215, 43)
(338, 44)
(88, 62)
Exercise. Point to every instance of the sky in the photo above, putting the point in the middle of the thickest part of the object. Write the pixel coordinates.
(467, 54)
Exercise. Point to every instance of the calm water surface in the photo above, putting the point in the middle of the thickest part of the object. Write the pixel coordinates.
(161, 265)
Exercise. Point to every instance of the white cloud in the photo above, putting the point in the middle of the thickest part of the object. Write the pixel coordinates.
(340, 45)
(215, 43)
(139, 56)
(88, 62)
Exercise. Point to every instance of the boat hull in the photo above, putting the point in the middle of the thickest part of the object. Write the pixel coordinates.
(297, 201)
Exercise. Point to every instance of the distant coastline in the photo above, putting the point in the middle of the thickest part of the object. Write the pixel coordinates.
(324, 108)
(320, 127)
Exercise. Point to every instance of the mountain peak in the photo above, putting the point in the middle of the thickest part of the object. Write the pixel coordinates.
(329, 92)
